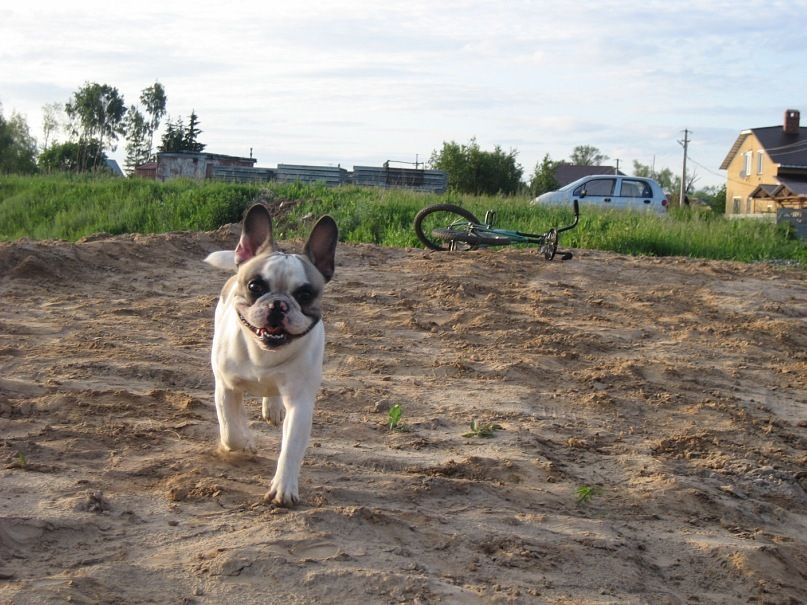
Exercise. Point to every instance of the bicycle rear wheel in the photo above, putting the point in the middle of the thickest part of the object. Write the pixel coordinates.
(439, 225)
(550, 245)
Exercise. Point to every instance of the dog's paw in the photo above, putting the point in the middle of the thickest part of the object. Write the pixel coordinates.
(246, 446)
(273, 410)
(282, 494)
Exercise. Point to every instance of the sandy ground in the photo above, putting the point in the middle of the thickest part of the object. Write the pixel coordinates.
(675, 389)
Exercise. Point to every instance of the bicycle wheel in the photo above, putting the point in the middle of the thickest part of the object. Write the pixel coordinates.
(439, 225)
(550, 245)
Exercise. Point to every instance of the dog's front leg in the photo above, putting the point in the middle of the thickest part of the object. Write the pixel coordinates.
(233, 424)
(296, 432)
(273, 410)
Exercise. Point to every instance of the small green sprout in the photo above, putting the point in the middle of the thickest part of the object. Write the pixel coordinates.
(394, 415)
(483, 430)
(21, 460)
(585, 493)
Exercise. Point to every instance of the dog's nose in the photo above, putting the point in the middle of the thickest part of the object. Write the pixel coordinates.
(277, 310)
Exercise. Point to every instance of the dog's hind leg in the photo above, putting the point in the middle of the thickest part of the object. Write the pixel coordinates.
(233, 424)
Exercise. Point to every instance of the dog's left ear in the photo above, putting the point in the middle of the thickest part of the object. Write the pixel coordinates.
(321, 246)
(256, 234)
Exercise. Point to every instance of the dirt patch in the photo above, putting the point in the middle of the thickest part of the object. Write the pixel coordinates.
(674, 389)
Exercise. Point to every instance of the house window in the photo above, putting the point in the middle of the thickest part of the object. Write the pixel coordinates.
(747, 163)
(760, 155)
(736, 205)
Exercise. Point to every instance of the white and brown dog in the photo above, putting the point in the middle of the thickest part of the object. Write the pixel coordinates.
(269, 340)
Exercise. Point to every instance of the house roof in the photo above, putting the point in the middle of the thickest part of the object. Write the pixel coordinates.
(765, 190)
(784, 149)
(204, 154)
(567, 173)
(798, 185)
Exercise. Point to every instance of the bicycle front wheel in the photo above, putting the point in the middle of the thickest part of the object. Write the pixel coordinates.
(438, 226)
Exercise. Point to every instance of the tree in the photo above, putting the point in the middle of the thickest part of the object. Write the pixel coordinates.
(71, 156)
(138, 150)
(587, 155)
(153, 99)
(17, 146)
(50, 121)
(714, 197)
(97, 112)
(173, 138)
(191, 140)
(178, 138)
(543, 177)
(471, 170)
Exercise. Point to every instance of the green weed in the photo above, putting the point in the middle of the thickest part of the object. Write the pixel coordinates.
(479, 429)
(394, 418)
(585, 493)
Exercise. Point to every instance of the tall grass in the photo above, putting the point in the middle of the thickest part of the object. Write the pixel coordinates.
(69, 207)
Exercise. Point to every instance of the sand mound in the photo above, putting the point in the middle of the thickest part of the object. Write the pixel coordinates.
(652, 440)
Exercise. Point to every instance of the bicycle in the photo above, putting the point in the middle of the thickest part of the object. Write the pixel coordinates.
(450, 227)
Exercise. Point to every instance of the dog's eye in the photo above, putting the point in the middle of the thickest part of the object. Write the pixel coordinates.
(258, 287)
(304, 295)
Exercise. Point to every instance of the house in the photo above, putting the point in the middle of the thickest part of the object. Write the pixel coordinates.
(567, 173)
(767, 168)
(192, 165)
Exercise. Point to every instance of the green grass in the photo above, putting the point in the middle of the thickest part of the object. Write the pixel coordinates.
(72, 207)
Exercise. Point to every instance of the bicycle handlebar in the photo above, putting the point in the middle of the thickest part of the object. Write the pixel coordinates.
(576, 218)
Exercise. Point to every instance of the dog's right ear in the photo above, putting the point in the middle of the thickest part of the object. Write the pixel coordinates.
(256, 234)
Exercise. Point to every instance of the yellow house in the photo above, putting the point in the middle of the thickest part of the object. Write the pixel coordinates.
(767, 168)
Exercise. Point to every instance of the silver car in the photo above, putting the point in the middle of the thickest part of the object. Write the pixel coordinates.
(609, 191)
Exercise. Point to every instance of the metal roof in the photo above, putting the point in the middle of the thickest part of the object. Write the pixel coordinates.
(784, 149)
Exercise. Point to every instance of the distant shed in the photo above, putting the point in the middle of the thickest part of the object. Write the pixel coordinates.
(196, 165)
(293, 173)
(433, 181)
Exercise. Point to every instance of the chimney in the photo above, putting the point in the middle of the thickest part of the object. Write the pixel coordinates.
(792, 121)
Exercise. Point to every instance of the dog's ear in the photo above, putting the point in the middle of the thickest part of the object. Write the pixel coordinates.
(321, 246)
(256, 234)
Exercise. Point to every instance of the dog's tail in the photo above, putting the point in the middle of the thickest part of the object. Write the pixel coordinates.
(223, 259)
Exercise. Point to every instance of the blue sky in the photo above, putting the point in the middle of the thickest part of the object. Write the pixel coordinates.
(356, 83)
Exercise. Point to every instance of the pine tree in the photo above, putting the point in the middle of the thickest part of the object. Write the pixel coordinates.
(190, 142)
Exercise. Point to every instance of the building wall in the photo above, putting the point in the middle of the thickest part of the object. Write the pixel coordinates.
(740, 185)
(191, 167)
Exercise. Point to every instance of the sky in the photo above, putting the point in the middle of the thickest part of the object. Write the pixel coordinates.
(360, 83)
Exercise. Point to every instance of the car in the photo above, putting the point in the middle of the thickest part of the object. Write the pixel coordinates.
(609, 191)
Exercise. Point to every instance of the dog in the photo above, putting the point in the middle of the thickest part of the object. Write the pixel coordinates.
(269, 340)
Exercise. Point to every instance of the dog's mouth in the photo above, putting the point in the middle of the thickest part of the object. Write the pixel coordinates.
(270, 337)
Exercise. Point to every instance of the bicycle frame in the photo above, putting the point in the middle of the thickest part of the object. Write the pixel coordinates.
(518, 236)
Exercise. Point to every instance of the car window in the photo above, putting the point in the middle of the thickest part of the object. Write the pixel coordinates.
(631, 188)
(597, 187)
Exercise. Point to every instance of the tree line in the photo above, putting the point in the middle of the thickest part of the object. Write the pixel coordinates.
(93, 121)
(96, 117)
(474, 171)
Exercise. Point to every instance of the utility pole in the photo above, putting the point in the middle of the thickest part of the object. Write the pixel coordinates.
(685, 144)
(617, 166)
